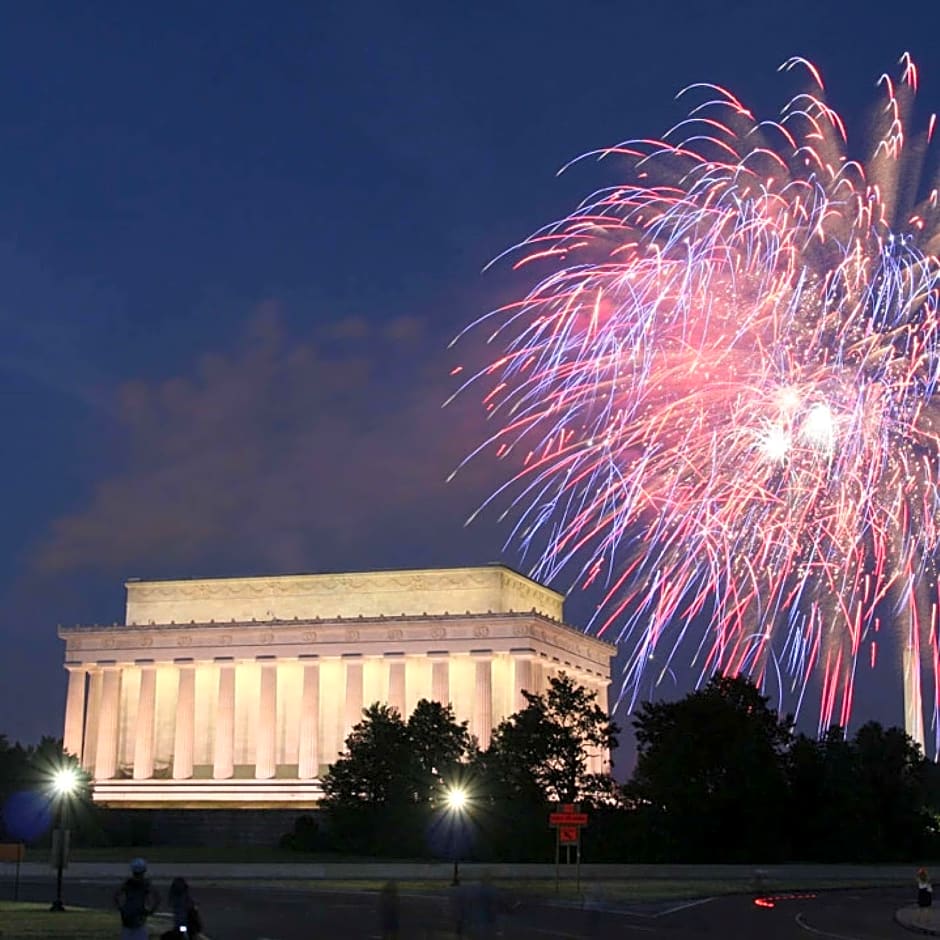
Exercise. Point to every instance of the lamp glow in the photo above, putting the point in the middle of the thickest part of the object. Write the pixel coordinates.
(65, 781)
(456, 799)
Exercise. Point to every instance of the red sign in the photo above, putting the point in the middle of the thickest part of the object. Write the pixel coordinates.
(568, 835)
(569, 816)
(568, 819)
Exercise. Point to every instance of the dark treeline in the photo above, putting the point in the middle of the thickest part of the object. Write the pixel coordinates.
(720, 777)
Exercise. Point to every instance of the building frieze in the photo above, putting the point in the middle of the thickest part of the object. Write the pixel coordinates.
(339, 632)
(316, 584)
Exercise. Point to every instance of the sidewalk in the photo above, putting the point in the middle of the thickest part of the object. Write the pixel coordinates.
(771, 877)
(924, 920)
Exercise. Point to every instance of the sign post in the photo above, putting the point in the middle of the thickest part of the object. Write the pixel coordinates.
(13, 852)
(568, 823)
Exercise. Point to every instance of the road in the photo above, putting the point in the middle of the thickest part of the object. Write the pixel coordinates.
(242, 912)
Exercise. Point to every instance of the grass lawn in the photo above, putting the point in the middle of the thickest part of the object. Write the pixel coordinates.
(24, 919)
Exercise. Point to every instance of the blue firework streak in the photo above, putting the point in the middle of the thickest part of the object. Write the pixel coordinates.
(720, 401)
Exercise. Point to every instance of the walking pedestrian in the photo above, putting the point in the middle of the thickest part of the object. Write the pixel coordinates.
(187, 921)
(389, 912)
(924, 889)
(136, 900)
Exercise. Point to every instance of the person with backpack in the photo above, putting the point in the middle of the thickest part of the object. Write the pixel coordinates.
(187, 922)
(136, 900)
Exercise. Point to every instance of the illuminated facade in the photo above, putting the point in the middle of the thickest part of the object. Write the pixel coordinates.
(240, 691)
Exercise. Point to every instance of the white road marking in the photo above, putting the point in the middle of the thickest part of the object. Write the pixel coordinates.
(821, 933)
(578, 936)
(683, 906)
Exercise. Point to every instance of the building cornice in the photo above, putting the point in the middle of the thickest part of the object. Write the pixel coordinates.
(370, 635)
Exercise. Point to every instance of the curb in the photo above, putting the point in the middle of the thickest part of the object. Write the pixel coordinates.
(903, 917)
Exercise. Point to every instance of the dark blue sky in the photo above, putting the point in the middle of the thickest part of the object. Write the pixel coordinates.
(235, 240)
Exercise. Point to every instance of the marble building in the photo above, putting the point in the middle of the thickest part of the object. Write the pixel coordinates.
(238, 692)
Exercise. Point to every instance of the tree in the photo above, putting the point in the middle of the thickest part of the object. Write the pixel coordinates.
(540, 753)
(858, 799)
(892, 783)
(825, 802)
(369, 772)
(440, 749)
(709, 782)
(380, 793)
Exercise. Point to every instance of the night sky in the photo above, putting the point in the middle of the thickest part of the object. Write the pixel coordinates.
(234, 246)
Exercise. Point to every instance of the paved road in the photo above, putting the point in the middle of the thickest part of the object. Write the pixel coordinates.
(240, 912)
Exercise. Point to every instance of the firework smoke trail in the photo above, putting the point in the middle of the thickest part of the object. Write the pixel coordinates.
(721, 401)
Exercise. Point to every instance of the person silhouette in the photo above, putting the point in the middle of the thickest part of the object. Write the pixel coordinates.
(136, 900)
(186, 919)
(389, 910)
(924, 889)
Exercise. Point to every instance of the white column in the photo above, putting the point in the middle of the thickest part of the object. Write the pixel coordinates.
(482, 723)
(265, 765)
(143, 734)
(309, 750)
(73, 733)
(223, 754)
(353, 696)
(396, 684)
(539, 685)
(185, 733)
(548, 673)
(604, 755)
(440, 678)
(106, 752)
(93, 713)
(522, 679)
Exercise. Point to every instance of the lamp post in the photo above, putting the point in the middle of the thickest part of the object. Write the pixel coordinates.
(65, 783)
(456, 803)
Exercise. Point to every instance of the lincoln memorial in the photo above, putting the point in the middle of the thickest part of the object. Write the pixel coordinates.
(239, 692)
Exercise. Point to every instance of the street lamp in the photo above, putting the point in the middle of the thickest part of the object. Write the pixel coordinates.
(456, 803)
(65, 783)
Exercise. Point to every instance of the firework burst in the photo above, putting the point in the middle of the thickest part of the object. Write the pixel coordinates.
(720, 404)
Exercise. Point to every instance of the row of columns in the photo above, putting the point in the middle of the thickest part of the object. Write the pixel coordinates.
(99, 734)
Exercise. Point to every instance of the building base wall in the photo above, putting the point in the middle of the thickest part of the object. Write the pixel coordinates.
(212, 828)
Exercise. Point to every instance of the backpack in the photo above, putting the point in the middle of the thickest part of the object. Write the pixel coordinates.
(193, 920)
(134, 906)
